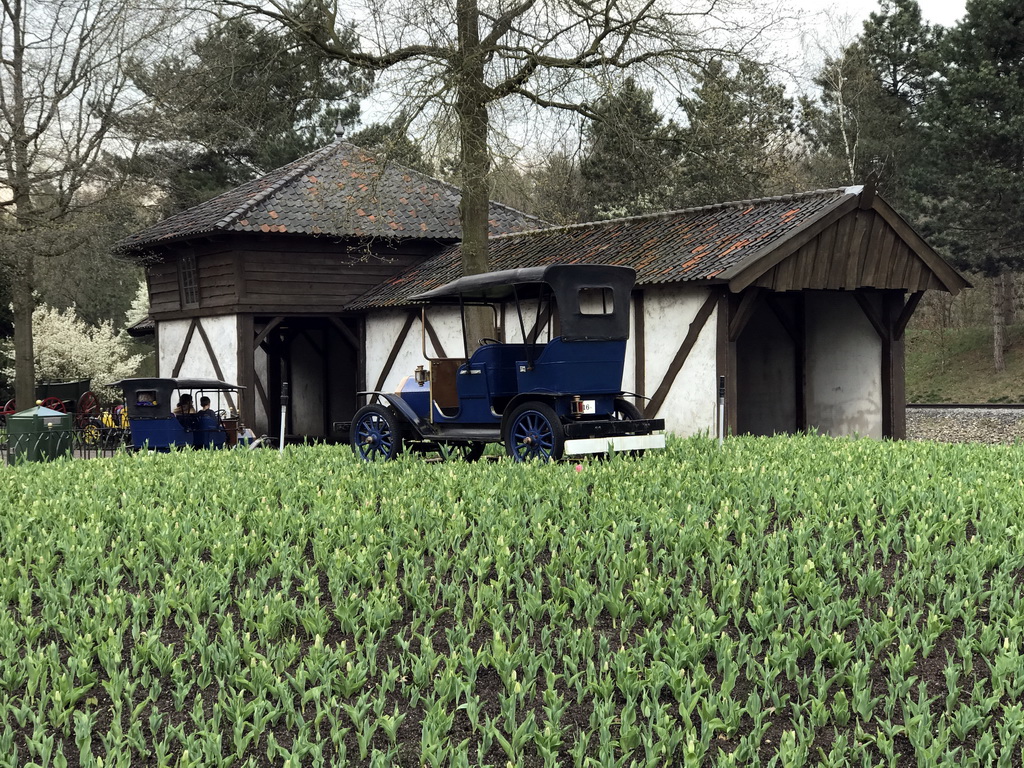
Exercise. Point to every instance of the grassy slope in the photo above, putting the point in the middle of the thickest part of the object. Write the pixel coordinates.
(801, 601)
(957, 367)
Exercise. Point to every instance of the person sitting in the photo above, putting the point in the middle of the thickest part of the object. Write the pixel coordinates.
(184, 406)
(204, 403)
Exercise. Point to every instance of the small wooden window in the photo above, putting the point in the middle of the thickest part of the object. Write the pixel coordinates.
(188, 281)
(596, 301)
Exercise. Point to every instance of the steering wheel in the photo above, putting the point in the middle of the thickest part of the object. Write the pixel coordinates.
(488, 340)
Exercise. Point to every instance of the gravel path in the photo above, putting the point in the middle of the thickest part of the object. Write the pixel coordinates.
(966, 425)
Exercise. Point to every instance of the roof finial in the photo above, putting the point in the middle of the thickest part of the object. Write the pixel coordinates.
(339, 129)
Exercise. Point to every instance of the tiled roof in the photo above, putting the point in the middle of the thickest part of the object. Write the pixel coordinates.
(144, 327)
(677, 246)
(340, 190)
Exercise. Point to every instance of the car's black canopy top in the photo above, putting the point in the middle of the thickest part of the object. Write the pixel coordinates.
(507, 283)
(592, 299)
(165, 383)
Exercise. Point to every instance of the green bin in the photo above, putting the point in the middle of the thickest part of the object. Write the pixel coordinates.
(38, 434)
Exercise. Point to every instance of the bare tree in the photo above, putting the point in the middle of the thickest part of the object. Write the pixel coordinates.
(63, 93)
(471, 56)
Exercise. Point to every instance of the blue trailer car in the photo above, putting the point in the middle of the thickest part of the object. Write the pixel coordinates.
(150, 405)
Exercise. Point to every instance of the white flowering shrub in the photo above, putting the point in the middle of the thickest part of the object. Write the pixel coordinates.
(67, 349)
(140, 305)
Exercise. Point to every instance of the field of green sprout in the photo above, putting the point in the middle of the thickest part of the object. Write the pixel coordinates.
(775, 602)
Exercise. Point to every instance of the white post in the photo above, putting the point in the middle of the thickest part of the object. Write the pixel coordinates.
(721, 410)
(284, 414)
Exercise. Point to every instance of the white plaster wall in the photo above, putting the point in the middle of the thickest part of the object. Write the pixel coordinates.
(691, 405)
(223, 334)
(382, 330)
(844, 367)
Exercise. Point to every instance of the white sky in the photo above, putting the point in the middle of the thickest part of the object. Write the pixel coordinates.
(944, 12)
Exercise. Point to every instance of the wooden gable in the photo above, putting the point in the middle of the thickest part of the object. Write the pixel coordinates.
(862, 244)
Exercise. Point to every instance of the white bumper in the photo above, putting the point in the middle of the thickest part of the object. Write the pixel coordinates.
(618, 444)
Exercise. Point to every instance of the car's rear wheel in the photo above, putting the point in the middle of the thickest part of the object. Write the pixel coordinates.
(376, 433)
(533, 431)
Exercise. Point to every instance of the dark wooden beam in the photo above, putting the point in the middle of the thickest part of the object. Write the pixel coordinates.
(799, 336)
(725, 363)
(435, 342)
(268, 328)
(897, 366)
(246, 366)
(361, 356)
(748, 305)
(345, 331)
(877, 322)
(788, 324)
(263, 399)
(639, 351)
(184, 349)
(542, 320)
(905, 314)
(696, 326)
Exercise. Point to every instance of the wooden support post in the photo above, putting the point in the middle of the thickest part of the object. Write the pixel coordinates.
(726, 360)
(245, 363)
(800, 360)
(639, 351)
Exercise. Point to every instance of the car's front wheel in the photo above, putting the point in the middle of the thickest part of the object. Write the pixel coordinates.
(533, 431)
(376, 433)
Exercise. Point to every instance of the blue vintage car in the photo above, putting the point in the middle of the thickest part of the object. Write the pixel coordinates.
(544, 399)
(150, 404)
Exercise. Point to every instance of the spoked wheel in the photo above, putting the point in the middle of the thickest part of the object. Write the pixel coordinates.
(9, 407)
(54, 404)
(376, 433)
(91, 434)
(626, 411)
(462, 451)
(533, 431)
(87, 409)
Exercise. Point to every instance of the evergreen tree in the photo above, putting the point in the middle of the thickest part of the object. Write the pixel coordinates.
(558, 190)
(972, 191)
(866, 119)
(626, 168)
(738, 141)
(241, 101)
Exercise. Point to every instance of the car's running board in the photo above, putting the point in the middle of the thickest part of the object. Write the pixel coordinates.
(475, 434)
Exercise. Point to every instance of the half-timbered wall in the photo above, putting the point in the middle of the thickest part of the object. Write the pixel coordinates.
(679, 360)
(394, 343)
(199, 348)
